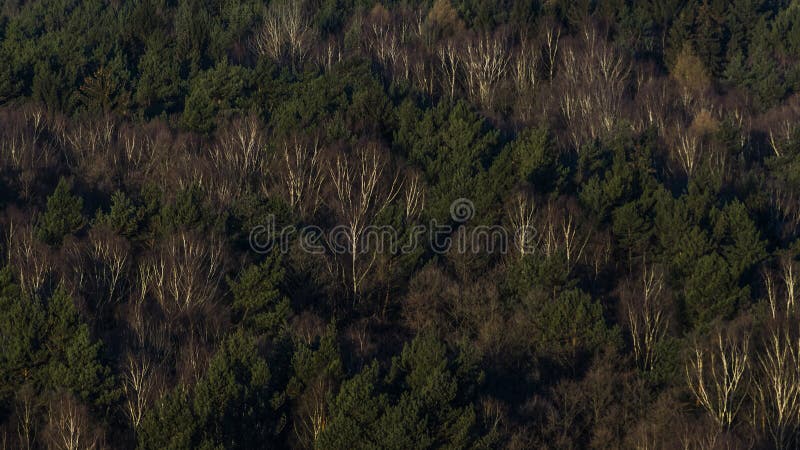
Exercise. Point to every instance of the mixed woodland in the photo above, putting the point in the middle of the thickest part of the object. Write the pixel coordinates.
(643, 156)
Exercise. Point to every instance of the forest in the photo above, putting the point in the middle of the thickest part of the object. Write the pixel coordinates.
(195, 199)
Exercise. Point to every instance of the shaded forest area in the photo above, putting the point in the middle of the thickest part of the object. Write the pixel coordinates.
(643, 155)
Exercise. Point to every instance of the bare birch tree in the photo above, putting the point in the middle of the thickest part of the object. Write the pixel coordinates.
(716, 378)
(185, 273)
(522, 216)
(137, 300)
(780, 136)
(301, 174)
(138, 150)
(68, 426)
(647, 318)
(91, 147)
(138, 386)
(362, 190)
(789, 276)
(449, 67)
(22, 147)
(110, 256)
(382, 39)
(31, 257)
(240, 149)
(686, 149)
(559, 233)
(25, 411)
(777, 387)
(787, 204)
(413, 196)
(782, 295)
(285, 30)
(194, 354)
(552, 36)
(595, 74)
(328, 53)
(485, 59)
(525, 73)
(313, 411)
(424, 75)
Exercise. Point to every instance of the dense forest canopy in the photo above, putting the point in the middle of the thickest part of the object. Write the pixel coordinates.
(191, 193)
